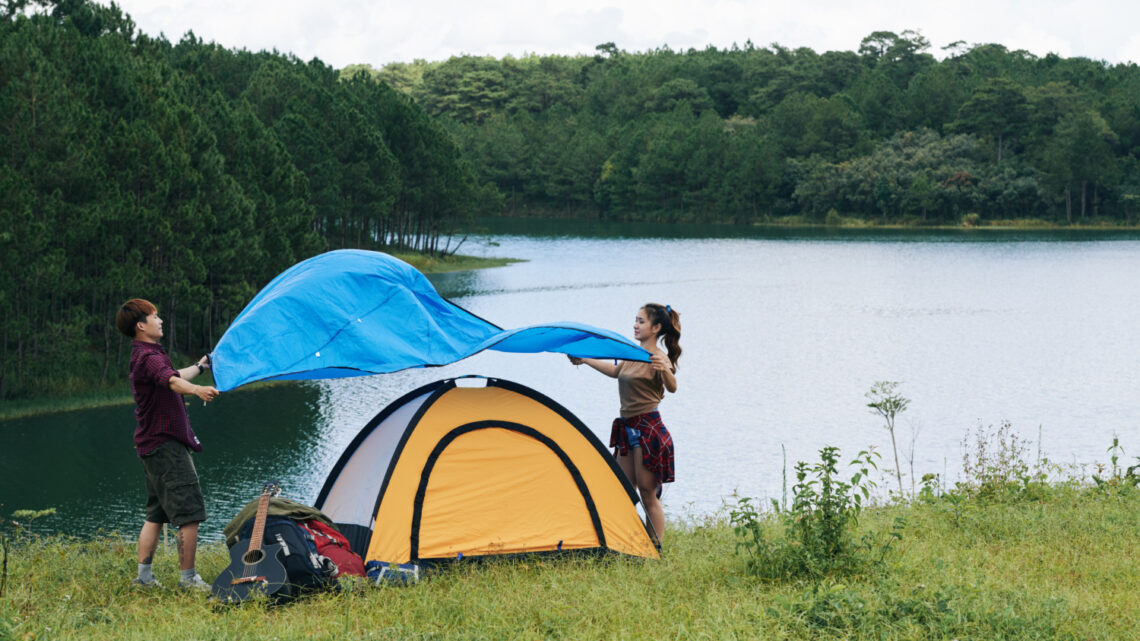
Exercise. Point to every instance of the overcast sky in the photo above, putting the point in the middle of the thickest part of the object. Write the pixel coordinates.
(344, 32)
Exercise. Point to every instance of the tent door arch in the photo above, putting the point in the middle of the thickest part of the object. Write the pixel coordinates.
(494, 487)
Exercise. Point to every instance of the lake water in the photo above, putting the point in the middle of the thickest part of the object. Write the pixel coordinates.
(784, 331)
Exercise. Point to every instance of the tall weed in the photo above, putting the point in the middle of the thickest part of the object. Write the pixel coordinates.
(888, 403)
(1118, 479)
(819, 529)
(994, 466)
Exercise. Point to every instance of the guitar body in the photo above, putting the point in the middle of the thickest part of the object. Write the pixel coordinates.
(242, 581)
(255, 570)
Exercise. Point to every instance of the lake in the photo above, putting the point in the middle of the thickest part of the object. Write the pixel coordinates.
(784, 332)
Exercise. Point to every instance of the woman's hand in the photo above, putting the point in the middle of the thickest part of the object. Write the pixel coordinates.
(574, 360)
(664, 368)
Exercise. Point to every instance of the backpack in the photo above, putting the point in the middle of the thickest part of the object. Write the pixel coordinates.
(306, 569)
(332, 544)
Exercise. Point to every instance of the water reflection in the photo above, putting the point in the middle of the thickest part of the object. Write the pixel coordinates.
(84, 463)
(454, 285)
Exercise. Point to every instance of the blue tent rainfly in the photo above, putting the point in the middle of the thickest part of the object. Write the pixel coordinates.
(352, 313)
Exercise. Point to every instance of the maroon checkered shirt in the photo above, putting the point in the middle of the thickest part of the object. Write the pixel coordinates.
(160, 411)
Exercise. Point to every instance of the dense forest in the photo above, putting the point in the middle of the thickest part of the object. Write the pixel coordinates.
(887, 133)
(190, 175)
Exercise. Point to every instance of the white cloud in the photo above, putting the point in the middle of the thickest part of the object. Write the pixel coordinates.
(342, 32)
(1038, 42)
(1130, 51)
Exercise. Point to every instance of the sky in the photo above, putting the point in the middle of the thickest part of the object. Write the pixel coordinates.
(344, 32)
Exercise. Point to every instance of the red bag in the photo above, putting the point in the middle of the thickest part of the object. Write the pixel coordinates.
(332, 544)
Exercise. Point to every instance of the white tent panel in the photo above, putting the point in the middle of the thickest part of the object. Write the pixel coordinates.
(352, 498)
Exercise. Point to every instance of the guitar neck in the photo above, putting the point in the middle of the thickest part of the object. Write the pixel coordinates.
(259, 522)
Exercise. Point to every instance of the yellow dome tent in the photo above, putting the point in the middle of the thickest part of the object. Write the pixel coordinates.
(474, 467)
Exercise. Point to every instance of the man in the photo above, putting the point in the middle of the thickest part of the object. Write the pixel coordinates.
(164, 441)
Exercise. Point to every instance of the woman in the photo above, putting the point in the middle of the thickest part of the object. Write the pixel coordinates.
(641, 443)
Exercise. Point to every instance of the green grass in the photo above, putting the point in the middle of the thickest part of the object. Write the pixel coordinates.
(1059, 568)
(439, 264)
(111, 396)
(118, 394)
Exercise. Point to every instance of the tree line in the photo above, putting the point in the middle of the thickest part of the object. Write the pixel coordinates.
(886, 133)
(190, 175)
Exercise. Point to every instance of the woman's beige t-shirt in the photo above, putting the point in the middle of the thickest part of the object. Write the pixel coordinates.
(639, 388)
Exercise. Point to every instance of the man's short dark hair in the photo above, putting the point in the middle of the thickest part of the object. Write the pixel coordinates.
(132, 313)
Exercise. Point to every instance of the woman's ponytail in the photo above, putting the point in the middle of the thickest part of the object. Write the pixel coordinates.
(670, 321)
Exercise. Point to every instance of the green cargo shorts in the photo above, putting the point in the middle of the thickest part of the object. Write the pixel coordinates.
(173, 494)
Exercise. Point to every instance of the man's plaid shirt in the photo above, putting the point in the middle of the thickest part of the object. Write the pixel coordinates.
(160, 411)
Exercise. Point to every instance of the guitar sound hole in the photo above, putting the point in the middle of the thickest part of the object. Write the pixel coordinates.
(253, 557)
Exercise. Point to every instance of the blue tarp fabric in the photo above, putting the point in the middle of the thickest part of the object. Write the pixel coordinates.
(354, 312)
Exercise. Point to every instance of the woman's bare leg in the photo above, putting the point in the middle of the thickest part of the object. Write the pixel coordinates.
(647, 487)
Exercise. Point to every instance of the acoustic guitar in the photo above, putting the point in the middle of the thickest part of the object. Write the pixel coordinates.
(254, 571)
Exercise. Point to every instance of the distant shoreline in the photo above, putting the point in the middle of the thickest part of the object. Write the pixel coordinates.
(453, 263)
(483, 225)
(997, 225)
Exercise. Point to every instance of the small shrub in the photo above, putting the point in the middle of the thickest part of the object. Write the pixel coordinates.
(819, 528)
(1119, 479)
(826, 606)
(19, 530)
(994, 465)
(957, 503)
(929, 492)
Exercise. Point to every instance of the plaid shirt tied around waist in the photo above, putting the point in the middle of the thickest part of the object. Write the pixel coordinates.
(656, 443)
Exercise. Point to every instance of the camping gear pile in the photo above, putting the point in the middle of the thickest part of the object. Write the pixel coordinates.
(285, 551)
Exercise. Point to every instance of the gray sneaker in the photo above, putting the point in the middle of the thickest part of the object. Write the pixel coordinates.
(146, 585)
(195, 583)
